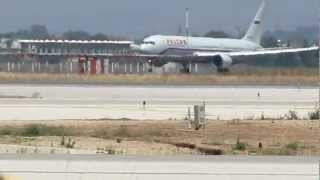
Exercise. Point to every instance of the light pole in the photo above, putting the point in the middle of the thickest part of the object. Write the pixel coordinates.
(187, 25)
(318, 109)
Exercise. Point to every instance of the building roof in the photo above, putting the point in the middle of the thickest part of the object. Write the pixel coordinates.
(75, 42)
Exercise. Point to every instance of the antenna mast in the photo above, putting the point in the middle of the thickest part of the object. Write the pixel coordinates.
(187, 22)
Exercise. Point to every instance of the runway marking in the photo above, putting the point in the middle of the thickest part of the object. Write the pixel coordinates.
(164, 173)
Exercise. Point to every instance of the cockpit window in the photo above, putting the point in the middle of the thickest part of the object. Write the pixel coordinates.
(149, 42)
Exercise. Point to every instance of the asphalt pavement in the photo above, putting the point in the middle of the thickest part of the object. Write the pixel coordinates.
(60, 102)
(75, 167)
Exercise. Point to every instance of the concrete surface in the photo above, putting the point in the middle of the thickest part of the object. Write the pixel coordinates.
(163, 102)
(34, 167)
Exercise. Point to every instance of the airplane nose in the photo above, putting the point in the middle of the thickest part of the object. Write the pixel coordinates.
(135, 47)
(143, 48)
(146, 48)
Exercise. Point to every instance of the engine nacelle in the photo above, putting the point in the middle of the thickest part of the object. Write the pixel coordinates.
(223, 62)
(157, 62)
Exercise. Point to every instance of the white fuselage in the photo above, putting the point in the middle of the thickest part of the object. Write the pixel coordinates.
(182, 45)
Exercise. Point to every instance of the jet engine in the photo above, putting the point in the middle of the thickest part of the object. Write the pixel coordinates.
(222, 61)
(157, 62)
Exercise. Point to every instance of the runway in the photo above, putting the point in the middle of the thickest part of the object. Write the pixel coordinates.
(61, 102)
(52, 167)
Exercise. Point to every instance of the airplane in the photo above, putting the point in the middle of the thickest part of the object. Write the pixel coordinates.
(222, 53)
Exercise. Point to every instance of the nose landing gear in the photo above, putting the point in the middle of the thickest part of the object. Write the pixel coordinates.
(150, 66)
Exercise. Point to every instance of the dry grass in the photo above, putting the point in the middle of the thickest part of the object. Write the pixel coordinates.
(220, 137)
(258, 77)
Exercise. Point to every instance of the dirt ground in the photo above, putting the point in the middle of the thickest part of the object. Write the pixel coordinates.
(162, 137)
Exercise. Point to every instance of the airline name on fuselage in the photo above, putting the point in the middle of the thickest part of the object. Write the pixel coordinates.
(177, 42)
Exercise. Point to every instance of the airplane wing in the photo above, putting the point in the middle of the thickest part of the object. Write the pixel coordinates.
(223, 60)
(205, 57)
(266, 51)
(271, 51)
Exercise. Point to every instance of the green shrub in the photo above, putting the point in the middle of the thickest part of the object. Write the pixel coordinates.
(292, 115)
(315, 115)
(240, 146)
(6, 131)
(294, 146)
(37, 130)
(71, 143)
(63, 141)
(32, 130)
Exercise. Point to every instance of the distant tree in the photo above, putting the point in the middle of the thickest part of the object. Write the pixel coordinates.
(10, 35)
(217, 34)
(305, 43)
(34, 32)
(195, 35)
(21, 34)
(240, 32)
(56, 36)
(268, 40)
(301, 37)
(100, 36)
(118, 38)
(298, 40)
(309, 32)
(76, 35)
(39, 32)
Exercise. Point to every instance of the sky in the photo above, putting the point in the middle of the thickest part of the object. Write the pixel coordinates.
(137, 18)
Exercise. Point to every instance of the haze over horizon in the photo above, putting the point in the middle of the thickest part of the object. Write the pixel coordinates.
(138, 18)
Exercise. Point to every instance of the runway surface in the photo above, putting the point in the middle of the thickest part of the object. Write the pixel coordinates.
(61, 102)
(66, 167)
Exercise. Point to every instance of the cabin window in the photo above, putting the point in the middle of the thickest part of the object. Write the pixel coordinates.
(149, 42)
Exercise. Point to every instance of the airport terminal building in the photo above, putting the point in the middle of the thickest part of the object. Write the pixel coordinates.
(66, 47)
(72, 56)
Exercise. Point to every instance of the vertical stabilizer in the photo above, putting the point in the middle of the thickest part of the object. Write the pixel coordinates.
(255, 30)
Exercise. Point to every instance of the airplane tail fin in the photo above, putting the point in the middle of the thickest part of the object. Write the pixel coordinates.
(255, 30)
